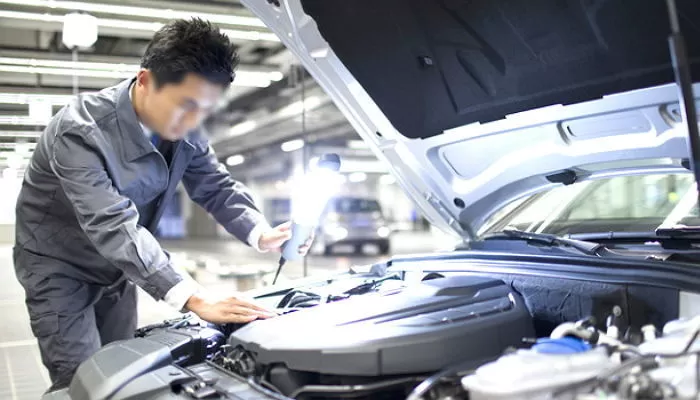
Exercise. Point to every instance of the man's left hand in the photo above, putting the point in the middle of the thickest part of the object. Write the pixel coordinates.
(273, 239)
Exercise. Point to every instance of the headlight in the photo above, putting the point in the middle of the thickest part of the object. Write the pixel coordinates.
(336, 232)
(383, 232)
(332, 217)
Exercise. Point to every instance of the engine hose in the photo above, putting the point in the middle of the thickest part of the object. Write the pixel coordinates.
(420, 390)
(350, 389)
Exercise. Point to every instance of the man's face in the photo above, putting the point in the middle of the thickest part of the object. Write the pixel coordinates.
(175, 109)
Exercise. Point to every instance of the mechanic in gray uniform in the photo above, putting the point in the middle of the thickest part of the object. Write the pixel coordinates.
(96, 187)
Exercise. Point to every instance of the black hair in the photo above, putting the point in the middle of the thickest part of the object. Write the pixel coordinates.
(190, 46)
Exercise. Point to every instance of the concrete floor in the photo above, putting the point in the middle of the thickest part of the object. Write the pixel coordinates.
(22, 376)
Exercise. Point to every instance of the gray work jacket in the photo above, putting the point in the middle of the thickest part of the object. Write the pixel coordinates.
(93, 176)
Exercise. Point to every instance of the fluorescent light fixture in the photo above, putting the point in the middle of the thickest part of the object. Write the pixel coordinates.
(147, 12)
(276, 76)
(242, 128)
(357, 177)
(250, 35)
(103, 66)
(297, 107)
(20, 134)
(135, 25)
(28, 98)
(357, 144)
(387, 180)
(111, 70)
(66, 72)
(232, 161)
(20, 120)
(292, 145)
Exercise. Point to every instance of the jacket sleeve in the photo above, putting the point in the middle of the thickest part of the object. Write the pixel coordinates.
(209, 184)
(109, 219)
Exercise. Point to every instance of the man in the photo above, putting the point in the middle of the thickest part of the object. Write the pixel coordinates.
(95, 189)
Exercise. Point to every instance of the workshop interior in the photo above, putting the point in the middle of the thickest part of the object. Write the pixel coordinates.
(502, 197)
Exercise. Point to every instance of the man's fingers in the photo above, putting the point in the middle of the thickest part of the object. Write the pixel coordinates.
(239, 306)
(277, 235)
(237, 318)
(284, 227)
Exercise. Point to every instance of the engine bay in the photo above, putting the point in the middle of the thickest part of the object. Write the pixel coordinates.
(435, 336)
(397, 332)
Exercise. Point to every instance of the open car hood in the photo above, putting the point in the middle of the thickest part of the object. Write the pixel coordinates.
(474, 104)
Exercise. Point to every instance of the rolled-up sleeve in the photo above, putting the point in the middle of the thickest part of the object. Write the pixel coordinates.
(210, 185)
(109, 219)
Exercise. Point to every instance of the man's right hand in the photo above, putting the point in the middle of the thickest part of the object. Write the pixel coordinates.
(226, 310)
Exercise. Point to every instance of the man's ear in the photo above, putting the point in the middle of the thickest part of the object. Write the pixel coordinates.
(144, 78)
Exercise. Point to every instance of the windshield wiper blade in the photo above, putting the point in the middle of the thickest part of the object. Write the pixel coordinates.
(680, 231)
(669, 238)
(588, 248)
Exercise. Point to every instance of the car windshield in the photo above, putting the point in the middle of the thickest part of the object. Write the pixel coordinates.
(638, 203)
(348, 205)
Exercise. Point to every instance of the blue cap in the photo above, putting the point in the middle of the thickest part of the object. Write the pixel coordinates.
(565, 345)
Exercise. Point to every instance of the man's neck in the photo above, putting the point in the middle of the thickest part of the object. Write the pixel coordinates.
(136, 103)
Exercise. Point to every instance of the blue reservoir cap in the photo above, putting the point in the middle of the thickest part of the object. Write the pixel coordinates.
(565, 345)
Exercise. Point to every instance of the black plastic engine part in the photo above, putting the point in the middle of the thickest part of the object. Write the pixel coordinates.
(201, 381)
(116, 364)
(423, 328)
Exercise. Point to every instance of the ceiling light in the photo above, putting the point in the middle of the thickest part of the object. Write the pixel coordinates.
(158, 13)
(357, 177)
(387, 180)
(242, 128)
(250, 35)
(20, 120)
(20, 134)
(243, 77)
(103, 70)
(292, 145)
(276, 76)
(135, 25)
(27, 98)
(66, 72)
(232, 161)
(79, 30)
(103, 66)
(357, 144)
(297, 107)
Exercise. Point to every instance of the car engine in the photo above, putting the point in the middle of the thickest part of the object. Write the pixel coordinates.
(383, 341)
(455, 337)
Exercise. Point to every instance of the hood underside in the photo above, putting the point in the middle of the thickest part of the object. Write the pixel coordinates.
(474, 104)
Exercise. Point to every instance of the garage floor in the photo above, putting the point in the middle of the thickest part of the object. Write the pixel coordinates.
(22, 376)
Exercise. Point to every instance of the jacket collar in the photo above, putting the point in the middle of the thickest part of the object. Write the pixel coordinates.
(136, 143)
